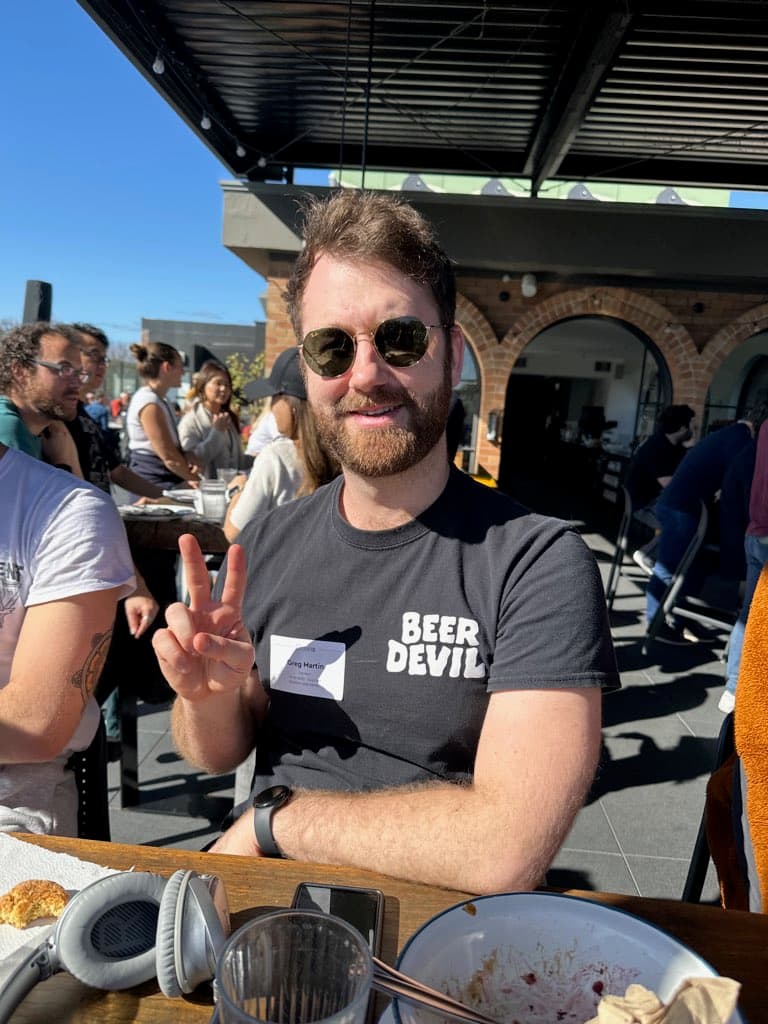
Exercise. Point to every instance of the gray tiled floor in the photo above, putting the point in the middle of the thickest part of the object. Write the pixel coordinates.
(637, 830)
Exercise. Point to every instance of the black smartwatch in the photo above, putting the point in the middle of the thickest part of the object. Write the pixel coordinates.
(265, 804)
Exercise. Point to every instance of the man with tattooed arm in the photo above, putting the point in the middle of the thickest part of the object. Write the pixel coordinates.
(64, 563)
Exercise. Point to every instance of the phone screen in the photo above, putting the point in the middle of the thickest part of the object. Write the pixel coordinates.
(362, 908)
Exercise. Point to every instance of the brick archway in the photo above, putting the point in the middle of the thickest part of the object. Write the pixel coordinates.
(728, 338)
(644, 314)
(491, 365)
(477, 329)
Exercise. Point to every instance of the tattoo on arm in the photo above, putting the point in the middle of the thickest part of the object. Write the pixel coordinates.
(85, 679)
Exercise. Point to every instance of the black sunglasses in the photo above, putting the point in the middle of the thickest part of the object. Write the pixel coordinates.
(401, 341)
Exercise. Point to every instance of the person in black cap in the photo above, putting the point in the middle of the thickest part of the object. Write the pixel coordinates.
(286, 467)
(416, 659)
(284, 379)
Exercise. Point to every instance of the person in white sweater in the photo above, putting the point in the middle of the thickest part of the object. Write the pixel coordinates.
(210, 429)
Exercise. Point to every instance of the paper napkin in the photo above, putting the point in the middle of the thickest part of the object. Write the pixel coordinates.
(696, 1001)
(20, 861)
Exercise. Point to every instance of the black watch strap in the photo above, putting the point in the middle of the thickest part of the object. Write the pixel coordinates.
(265, 804)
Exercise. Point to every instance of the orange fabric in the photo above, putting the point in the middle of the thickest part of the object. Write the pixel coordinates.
(751, 726)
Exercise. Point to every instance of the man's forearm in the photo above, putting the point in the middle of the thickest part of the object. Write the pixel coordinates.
(126, 478)
(463, 837)
(535, 761)
(216, 734)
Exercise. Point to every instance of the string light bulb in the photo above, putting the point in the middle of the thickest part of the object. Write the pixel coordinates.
(262, 161)
(158, 65)
(205, 122)
(240, 150)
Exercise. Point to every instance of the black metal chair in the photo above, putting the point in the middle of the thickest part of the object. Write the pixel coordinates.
(90, 769)
(620, 554)
(669, 601)
(697, 869)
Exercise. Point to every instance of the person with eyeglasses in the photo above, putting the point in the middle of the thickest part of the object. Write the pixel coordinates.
(417, 660)
(130, 662)
(99, 459)
(40, 379)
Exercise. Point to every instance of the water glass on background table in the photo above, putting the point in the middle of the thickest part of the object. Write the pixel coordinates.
(294, 967)
(227, 475)
(212, 499)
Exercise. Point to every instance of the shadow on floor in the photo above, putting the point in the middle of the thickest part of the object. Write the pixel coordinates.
(692, 758)
(656, 700)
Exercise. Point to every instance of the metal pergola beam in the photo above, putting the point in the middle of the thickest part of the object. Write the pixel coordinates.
(598, 37)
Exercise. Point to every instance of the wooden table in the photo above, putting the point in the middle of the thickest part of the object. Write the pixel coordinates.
(734, 942)
(162, 534)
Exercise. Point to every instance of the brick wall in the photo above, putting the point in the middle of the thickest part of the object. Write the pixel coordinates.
(694, 330)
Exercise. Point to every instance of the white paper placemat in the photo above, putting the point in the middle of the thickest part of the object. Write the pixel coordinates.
(21, 861)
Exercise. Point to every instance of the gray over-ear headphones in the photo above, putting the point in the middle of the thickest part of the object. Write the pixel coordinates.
(124, 929)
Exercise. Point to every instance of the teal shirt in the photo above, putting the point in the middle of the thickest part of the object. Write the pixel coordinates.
(14, 433)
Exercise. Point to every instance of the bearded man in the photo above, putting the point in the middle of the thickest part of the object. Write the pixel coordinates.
(40, 380)
(417, 660)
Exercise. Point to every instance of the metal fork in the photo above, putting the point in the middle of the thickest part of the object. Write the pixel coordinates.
(392, 982)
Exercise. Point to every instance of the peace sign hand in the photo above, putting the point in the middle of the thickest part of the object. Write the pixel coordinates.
(206, 648)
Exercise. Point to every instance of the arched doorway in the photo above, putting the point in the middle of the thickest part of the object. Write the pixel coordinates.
(468, 390)
(582, 387)
(755, 386)
(741, 377)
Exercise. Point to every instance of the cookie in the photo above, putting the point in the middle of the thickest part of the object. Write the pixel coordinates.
(28, 901)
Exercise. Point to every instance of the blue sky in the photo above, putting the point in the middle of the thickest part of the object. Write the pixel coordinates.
(104, 191)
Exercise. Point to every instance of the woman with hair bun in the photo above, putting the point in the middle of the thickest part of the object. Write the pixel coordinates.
(210, 428)
(153, 438)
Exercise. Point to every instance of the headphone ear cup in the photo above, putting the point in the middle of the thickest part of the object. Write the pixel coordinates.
(106, 936)
(192, 927)
(166, 953)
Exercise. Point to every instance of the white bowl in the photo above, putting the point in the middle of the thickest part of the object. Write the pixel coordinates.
(540, 958)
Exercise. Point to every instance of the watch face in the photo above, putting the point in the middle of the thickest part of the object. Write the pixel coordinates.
(270, 797)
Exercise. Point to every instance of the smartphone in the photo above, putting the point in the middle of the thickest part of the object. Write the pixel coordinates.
(362, 908)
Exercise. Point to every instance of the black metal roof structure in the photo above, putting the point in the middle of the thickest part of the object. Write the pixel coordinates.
(659, 91)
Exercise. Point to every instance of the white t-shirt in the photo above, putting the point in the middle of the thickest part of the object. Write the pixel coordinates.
(275, 478)
(264, 432)
(137, 437)
(59, 536)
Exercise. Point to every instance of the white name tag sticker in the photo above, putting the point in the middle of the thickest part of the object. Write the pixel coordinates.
(313, 668)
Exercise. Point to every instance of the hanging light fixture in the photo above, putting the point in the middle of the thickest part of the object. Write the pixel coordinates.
(528, 285)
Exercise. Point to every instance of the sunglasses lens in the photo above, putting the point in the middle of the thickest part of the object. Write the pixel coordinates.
(401, 341)
(329, 351)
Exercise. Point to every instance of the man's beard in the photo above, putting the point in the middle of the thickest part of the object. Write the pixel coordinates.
(386, 450)
(56, 410)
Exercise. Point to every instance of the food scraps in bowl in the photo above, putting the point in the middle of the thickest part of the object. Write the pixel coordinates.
(542, 958)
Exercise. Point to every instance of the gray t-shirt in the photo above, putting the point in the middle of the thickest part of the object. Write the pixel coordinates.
(380, 649)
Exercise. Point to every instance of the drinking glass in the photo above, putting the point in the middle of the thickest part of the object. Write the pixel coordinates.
(213, 499)
(294, 967)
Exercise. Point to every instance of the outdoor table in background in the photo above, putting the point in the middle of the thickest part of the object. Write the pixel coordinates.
(162, 534)
(147, 532)
(734, 942)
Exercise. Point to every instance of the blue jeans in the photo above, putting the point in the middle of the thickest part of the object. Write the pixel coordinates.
(756, 550)
(677, 529)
